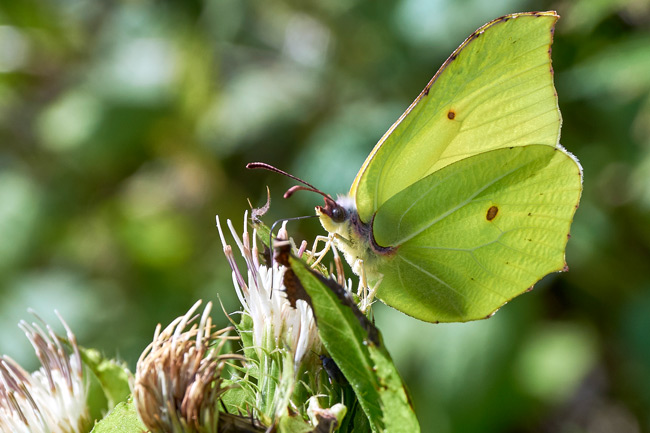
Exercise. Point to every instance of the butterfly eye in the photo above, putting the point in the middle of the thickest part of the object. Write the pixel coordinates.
(338, 214)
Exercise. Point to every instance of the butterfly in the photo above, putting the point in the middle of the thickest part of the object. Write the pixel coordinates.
(467, 200)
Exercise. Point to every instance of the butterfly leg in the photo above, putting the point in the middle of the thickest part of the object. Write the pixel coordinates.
(365, 292)
(320, 254)
(367, 302)
(363, 282)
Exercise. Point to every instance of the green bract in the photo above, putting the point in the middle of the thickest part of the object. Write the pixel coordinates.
(359, 353)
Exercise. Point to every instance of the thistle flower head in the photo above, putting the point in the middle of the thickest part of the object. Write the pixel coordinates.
(178, 380)
(262, 295)
(53, 399)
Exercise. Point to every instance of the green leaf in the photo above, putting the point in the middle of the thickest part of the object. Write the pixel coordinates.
(237, 399)
(111, 376)
(293, 424)
(122, 419)
(361, 357)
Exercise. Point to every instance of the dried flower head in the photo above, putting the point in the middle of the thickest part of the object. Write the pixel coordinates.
(178, 381)
(53, 399)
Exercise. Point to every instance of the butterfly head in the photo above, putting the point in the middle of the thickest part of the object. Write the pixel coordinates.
(338, 216)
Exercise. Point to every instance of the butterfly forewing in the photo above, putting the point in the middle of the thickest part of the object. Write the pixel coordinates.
(495, 91)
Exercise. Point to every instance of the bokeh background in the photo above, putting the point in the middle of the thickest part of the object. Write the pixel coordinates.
(125, 127)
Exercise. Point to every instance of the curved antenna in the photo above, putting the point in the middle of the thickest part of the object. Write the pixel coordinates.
(295, 188)
(271, 241)
(269, 167)
(290, 191)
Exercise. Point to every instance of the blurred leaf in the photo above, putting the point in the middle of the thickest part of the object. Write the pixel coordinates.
(19, 213)
(612, 75)
(70, 121)
(158, 241)
(584, 15)
(555, 359)
(257, 100)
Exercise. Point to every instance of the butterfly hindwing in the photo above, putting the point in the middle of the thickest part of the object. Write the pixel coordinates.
(478, 232)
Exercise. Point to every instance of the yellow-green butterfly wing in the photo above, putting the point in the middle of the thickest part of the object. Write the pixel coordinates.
(468, 199)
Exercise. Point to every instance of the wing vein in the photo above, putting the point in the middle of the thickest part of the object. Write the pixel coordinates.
(439, 280)
(455, 208)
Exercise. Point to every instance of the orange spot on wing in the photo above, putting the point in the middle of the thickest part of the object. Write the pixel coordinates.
(492, 213)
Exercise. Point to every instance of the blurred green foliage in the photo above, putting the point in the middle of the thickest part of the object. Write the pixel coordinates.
(125, 127)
